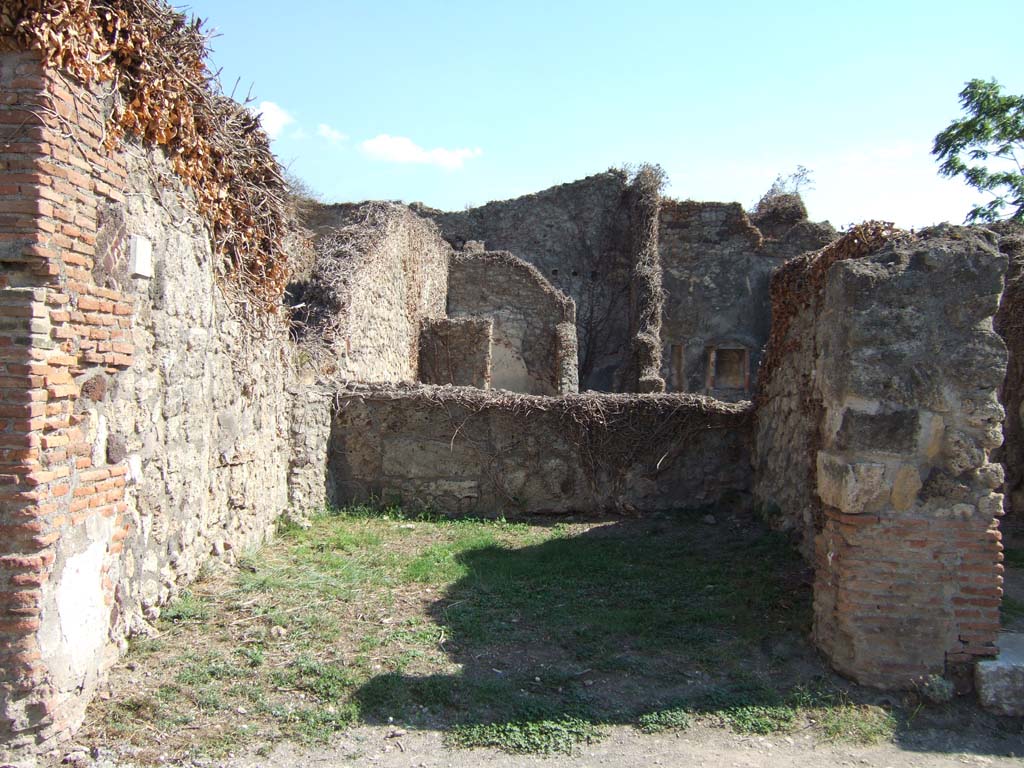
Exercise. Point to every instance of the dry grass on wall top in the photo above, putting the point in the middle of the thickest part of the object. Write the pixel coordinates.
(164, 95)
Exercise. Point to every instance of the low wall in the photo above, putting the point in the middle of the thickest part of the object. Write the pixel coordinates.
(526, 352)
(879, 408)
(466, 451)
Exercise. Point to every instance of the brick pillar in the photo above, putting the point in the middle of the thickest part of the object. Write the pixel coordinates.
(908, 366)
(59, 498)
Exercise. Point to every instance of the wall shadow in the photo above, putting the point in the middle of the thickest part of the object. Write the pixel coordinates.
(637, 617)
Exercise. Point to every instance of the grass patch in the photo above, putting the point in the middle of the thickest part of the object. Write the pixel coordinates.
(186, 608)
(677, 719)
(860, 724)
(528, 639)
(543, 737)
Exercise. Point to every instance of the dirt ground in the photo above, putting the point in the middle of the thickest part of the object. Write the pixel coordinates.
(394, 748)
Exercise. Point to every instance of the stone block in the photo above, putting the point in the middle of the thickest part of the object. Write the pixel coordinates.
(905, 487)
(1000, 681)
(887, 432)
(850, 488)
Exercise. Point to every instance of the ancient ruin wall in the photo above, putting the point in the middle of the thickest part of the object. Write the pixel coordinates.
(526, 311)
(717, 267)
(884, 367)
(1009, 324)
(577, 235)
(466, 451)
(140, 434)
(642, 371)
(457, 352)
(380, 271)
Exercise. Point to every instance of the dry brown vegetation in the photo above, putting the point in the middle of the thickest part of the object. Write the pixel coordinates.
(153, 59)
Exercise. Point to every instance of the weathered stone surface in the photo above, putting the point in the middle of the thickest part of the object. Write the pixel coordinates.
(895, 432)
(577, 235)
(717, 267)
(851, 488)
(204, 407)
(526, 311)
(456, 351)
(887, 369)
(380, 271)
(905, 487)
(1011, 394)
(1000, 681)
(470, 451)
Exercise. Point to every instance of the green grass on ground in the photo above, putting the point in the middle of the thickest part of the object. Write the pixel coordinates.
(529, 638)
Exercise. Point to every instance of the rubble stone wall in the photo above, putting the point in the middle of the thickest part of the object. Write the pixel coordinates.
(457, 352)
(1009, 324)
(526, 311)
(717, 267)
(380, 271)
(892, 376)
(577, 235)
(466, 451)
(142, 429)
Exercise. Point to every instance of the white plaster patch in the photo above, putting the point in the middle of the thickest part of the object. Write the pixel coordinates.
(81, 610)
(135, 468)
(99, 442)
(141, 255)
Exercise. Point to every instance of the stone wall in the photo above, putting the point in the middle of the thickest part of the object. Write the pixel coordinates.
(717, 267)
(141, 433)
(888, 365)
(1009, 324)
(380, 271)
(526, 355)
(466, 451)
(577, 235)
(457, 352)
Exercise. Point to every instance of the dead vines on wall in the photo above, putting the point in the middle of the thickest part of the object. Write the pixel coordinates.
(643, 370)
(611, 432)
(164, 95)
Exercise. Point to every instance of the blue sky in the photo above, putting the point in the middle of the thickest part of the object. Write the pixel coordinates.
(456, 103)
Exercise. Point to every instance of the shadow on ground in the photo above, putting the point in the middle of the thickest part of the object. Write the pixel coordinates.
(646, 621)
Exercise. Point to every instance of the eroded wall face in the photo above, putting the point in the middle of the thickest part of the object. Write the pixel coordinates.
(457, 352)
(472, 452)
(1009, 326)
(139, 432)
(379, 272)
(526, 311)
(892, 379)
(717, 269)
(577, 235)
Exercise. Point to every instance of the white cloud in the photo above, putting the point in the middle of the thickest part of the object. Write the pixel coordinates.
(399, 149)
(273, 118)
(332, 135)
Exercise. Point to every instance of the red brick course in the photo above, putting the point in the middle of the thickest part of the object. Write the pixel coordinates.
(57, 328)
